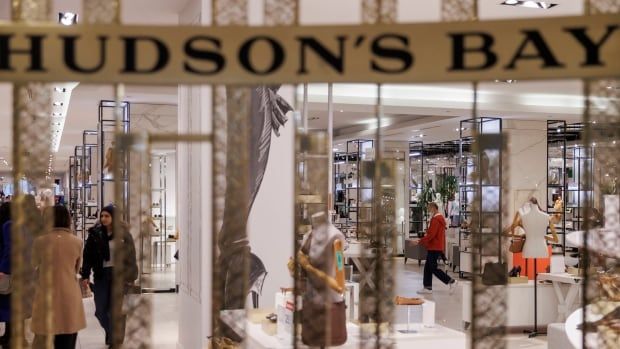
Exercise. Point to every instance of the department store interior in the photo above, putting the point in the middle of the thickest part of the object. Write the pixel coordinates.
(526, 139)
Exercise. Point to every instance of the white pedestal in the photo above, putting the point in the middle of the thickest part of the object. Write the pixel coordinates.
(520, 304)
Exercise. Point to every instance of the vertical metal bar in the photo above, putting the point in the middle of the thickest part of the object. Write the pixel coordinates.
(304, 115)
(330, 146)
(108, 12)
(601, 250)
(31, 146)
(230, 251)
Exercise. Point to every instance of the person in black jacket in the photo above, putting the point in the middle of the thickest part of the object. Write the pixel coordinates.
(99, 258)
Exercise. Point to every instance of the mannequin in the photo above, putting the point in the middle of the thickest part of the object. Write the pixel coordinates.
(323, 310)
(534, 222)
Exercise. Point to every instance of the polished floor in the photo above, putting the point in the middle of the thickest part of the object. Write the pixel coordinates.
(409, 278)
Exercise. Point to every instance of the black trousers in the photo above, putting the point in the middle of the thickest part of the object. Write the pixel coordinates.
(102, 292)
(65, 341)
(61, 341)
(430, 269)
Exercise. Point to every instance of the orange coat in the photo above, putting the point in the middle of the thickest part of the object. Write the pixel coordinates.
(435, 238)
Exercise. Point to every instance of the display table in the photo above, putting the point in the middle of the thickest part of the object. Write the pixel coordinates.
(566, 304)
(425, 337)
(520, 304)
(359, 256)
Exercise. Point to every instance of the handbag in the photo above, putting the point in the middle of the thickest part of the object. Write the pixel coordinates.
(516, 245)
(5, 285)
(314, 331)
(314, 317)
(494, 274)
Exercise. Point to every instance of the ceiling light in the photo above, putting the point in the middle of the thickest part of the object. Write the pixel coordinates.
(60, 89)
(509, 81)
(56, 114)
(67, 18)
(545, 5)
(57, 104)
(335, 149)
(342, 111)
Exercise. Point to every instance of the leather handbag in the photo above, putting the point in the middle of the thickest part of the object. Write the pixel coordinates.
(516, 245)
(5, 285)
(494, 274)
(314, 330)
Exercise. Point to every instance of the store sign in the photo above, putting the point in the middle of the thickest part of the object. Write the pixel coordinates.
(566, 47)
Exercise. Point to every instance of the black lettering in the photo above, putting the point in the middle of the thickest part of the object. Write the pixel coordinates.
(204, 54)
(592, 49)
(460, 51)
(277, 54)
(398, 54)
(131, 55)
(542, 51)
(35, 52)
(70, 54)
(336, 61)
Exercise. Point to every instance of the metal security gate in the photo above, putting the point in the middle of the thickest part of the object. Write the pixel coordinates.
(232, 196)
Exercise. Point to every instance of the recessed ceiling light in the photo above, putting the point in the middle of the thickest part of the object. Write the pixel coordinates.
(60, 89)
(509, 81)
(57, 104)
(545, 5)
(342, 111)
(67, 18)
(56, 114)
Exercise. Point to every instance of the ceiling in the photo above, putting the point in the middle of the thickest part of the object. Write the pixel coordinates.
(432, 110)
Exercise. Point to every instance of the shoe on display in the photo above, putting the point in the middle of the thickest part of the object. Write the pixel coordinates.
(452, 285)
(425, 291)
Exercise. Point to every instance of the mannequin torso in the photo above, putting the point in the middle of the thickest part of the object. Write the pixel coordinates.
(535, 223)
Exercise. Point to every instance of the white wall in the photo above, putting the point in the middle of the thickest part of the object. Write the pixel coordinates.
(527, 156)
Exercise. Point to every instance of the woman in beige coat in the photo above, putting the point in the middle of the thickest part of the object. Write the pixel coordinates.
(58, 253)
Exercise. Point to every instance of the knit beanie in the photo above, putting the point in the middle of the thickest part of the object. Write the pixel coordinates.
(109, 209)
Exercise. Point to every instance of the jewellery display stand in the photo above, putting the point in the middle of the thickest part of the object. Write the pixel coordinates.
(161, 241)
(74, 188)
(78, 192)
(480, 176)
(556, 176)
(416, 187)
(353, 192)
(105, 144)
(90, 206)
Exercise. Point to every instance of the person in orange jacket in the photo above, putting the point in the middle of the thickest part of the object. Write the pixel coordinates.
(434, 241)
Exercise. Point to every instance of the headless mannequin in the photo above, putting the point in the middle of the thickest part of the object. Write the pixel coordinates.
(534, 222)
(321, 257)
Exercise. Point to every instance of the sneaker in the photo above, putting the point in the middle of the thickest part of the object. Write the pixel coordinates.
(452, 285)
(425, 291)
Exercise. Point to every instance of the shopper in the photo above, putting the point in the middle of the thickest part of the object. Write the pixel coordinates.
(434, 241)
(57, 256)
(31, 228)
(5, 260)
(99, 258)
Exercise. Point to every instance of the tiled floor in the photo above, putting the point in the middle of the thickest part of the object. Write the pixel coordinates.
(409, 278)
